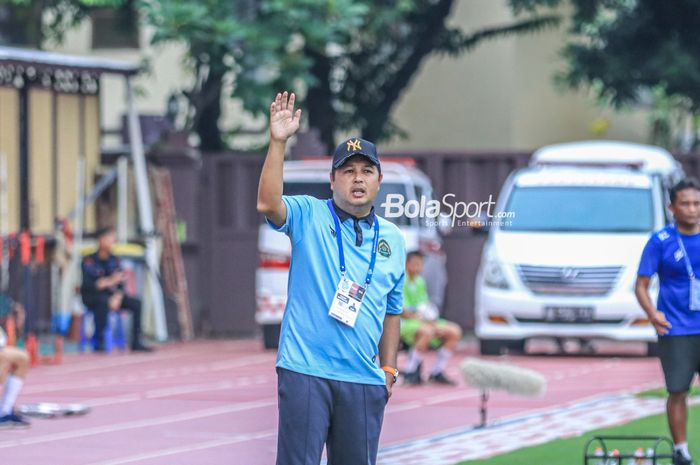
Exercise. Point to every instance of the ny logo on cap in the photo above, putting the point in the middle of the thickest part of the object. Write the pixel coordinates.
(354, 145)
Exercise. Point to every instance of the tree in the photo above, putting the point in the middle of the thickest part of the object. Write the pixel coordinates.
(632, 52)
(354, 57)
(31, 23)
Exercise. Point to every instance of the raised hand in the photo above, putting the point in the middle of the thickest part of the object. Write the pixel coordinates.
(284, 121)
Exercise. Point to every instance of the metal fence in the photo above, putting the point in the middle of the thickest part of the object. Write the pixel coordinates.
(215, 197)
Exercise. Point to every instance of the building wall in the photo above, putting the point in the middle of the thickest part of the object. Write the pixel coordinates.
(41, 163)
(502, 95)
(53, 158)
(9, 148)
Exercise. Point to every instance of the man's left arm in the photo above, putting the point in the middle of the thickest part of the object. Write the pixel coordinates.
(389, 346)
(389, 343)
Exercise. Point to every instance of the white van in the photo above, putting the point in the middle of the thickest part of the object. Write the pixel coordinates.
(562, 260)
(311, 177)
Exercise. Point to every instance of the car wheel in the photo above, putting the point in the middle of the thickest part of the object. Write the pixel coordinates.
(271, 336)
(491, 346)
(516, 347)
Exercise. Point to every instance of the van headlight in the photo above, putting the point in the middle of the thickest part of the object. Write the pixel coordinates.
(494, 275)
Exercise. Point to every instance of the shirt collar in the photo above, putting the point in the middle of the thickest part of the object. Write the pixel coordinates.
(343, 215)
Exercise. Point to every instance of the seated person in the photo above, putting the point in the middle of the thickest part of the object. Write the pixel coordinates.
(14, 364)
(103, 290)
(421, 327)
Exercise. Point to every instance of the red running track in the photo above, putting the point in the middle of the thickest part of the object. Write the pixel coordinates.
(214, 402)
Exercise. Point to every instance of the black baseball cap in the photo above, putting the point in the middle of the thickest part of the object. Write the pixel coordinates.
(355, 146)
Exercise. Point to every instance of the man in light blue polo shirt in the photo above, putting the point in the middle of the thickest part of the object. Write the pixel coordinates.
(336, 362)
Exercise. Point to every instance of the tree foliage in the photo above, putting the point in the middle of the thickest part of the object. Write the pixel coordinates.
(32, 23)
(632, 51)
(350, 60)
(353, 57)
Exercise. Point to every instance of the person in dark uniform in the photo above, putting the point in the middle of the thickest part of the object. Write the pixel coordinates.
(103, 291)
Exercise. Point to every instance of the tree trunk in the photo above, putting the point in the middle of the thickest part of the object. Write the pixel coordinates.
(208, 113)
(319, 101)
(428, 25)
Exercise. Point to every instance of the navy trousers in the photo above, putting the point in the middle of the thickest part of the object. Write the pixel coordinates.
(346, 417)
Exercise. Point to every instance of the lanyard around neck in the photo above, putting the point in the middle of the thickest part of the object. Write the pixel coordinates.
(339, 240)
(688, 266)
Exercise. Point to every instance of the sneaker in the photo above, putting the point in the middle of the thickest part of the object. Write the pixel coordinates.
(13, 421)
(141, 347)
(440, 378)
(679, 459)
(412, 378)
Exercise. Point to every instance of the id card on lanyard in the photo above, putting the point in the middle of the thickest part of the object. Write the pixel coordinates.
(347, 300)
(694, 303)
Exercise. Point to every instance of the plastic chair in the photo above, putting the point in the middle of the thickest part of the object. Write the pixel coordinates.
(113, 333)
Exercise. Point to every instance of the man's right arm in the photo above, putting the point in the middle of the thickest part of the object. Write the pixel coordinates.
(656, 318)
(284, 122)
(648, 266)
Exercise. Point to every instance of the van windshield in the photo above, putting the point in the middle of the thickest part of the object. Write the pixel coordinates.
(579, 209)
(322, 190)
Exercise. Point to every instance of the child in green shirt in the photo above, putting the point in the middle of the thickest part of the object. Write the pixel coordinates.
(421, 327)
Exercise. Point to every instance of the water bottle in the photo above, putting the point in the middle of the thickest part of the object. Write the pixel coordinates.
(600, 456)
(614, 458)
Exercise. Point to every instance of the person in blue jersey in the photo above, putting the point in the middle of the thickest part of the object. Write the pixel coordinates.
(673, 254)
(336, 362)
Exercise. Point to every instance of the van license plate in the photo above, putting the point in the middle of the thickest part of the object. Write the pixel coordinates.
(568, 314)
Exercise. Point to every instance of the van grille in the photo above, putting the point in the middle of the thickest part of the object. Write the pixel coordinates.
(569, 280)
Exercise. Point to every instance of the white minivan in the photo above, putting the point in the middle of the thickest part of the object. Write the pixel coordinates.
(311, 177)
(561, 260)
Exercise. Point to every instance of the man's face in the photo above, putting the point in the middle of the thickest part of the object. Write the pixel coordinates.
(106, 241)
(686, 206)
(356, 182)
(414, 265)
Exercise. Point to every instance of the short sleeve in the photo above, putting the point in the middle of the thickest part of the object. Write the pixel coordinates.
(299, 213)
(90, 274)
(651, 257)
(394, 305)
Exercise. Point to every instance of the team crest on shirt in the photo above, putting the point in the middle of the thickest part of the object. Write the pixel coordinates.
(678, 255)
(384, 249)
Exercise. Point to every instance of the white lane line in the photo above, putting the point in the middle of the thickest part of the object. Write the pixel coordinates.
(145, 376)
(223, 410)
(133, 359)
(189, 448)
(174, 391)
(117, 361)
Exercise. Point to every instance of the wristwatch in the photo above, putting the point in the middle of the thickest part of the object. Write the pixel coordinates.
(392, 371)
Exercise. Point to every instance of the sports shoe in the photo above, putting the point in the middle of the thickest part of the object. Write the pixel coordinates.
(141, 347)
(13, 421)
(440, 378)
(412, 378)
(679, 459)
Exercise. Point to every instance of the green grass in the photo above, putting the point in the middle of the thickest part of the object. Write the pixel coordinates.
(570, 451)
(661, 392)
